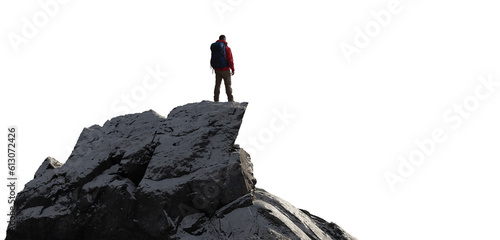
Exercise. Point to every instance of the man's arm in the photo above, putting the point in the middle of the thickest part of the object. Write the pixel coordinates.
(229, 57)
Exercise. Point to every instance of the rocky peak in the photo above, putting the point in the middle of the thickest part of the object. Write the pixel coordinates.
(144, 176)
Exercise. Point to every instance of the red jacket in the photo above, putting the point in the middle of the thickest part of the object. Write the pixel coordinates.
(229, 58)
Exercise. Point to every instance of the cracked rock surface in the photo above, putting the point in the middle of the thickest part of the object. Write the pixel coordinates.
(144, 176)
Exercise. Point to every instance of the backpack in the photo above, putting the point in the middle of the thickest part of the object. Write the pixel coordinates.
(218, 59)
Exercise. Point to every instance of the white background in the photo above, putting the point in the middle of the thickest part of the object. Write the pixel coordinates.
(352, 119)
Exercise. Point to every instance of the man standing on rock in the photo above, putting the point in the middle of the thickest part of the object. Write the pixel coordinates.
(222, 62)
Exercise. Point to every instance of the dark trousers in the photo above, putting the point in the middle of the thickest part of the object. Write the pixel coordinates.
(226, 75)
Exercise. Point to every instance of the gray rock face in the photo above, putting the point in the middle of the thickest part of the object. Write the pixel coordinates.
(143, 176)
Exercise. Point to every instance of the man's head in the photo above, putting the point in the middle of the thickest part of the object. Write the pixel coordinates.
(222, 37)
